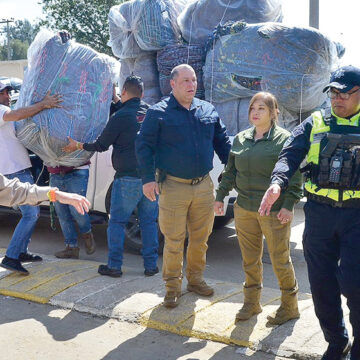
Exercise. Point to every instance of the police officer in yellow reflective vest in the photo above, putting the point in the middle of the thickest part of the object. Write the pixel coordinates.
(330, 139)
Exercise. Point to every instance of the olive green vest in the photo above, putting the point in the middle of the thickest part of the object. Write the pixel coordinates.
(320, 127)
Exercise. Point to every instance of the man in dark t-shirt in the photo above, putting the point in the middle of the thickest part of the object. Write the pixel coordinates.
(127, 194)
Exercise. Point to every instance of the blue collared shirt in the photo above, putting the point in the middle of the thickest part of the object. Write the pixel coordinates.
(180, 141)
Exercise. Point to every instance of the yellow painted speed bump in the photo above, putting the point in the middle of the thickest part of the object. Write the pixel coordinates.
(48, 279)
(214, 318)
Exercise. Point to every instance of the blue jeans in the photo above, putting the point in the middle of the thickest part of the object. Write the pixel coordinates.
(24, 229)
(73, 182)
(332, 252)
(126, 195)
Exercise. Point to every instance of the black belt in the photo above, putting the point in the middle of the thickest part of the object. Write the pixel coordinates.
(193, 181)
(351, 203)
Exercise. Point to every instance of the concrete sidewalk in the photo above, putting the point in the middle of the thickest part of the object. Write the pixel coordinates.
(76, 285)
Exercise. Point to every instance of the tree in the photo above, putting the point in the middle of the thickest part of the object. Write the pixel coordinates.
(23, 31)
(87, 21)
(21, 35)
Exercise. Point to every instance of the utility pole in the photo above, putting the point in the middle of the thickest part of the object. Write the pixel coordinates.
(7, 22)
(314, 13)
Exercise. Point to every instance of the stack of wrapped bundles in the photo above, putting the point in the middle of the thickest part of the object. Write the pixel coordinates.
(173, 55)
(145, 67)
(147, 25)
(84, 79)
(198, 20)
(122, 38)
(292, 63)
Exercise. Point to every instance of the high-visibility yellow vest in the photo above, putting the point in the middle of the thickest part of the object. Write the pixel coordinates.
(320, 127)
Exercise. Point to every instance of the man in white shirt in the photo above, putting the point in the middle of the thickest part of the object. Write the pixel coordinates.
(15, 163)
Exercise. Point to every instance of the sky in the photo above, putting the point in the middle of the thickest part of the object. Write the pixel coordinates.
(337, 19)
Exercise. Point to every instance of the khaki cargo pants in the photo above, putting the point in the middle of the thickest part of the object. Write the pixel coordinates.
(250, 228)
(182, 207)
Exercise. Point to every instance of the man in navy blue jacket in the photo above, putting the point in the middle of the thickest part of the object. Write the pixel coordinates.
(126, 195)
(178, 139)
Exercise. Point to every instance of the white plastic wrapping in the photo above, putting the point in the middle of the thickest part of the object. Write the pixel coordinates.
(145, 67)
(84, 79)
(200, 17)
(143, 25)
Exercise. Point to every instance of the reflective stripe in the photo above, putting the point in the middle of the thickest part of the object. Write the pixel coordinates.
(318, 131)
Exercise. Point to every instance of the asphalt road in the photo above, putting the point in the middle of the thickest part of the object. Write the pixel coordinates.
(223, 257)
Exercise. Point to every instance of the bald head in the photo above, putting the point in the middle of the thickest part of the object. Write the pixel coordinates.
(183, 83)
(177, 69)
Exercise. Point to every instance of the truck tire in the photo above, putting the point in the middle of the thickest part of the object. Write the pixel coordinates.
(133, 240)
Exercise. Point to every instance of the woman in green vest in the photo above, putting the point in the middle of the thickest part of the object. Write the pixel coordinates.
(251, 161)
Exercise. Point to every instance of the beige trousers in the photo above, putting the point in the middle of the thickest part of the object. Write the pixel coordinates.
(185, 207)
(250, 228)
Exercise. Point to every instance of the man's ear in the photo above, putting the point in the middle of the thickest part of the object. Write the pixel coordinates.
(172, 83)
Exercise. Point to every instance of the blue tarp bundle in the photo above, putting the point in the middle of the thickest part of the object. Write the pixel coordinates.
(84, 79)
(291, 62)
(200, 17)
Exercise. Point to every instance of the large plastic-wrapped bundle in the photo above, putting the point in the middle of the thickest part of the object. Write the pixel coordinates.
(173, 55)
(292, 63)
(84, 79)
(139, 25)
(156, 24)
(145, 67)
(200, 17)
(122, 39)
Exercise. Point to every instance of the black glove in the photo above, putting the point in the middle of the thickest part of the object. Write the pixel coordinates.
(65, 36)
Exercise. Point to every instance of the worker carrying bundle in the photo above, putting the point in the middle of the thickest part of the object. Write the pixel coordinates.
(84, 79)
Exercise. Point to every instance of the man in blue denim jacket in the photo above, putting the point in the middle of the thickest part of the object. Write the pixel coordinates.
(178, 138)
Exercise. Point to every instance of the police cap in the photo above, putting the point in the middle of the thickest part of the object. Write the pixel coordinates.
(344, 79)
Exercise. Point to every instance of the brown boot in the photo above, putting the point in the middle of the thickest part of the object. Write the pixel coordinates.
(201, 288)
(171, 299)
(288, 309)
(68, 253)
(251, 303)
(89, 242)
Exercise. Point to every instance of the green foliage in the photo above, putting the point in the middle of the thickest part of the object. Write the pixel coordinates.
(21, 35)
(86, 20)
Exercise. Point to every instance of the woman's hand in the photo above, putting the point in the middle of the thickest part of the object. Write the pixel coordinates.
(285, 216)
(219, 208)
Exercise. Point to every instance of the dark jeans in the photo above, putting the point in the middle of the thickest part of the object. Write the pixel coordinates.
(126, 195)
(73, 182)
(24, 229)
(332, 252)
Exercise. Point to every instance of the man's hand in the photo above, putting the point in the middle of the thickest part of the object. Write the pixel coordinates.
(71, 146)
(150, 190)
(80, 203)
(51, 101)
(271, 195)
(115, 96)
(285, 216)
(219, 208)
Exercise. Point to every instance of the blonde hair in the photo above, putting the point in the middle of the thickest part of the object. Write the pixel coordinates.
(270, 101)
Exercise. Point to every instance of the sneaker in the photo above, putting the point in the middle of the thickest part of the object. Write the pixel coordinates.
(333, 353)
(202, 288)
(89, 242)
(171, 299)
(151, 272)
(28, 257)
(68, 253)
(13, 265)
(105, 270)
